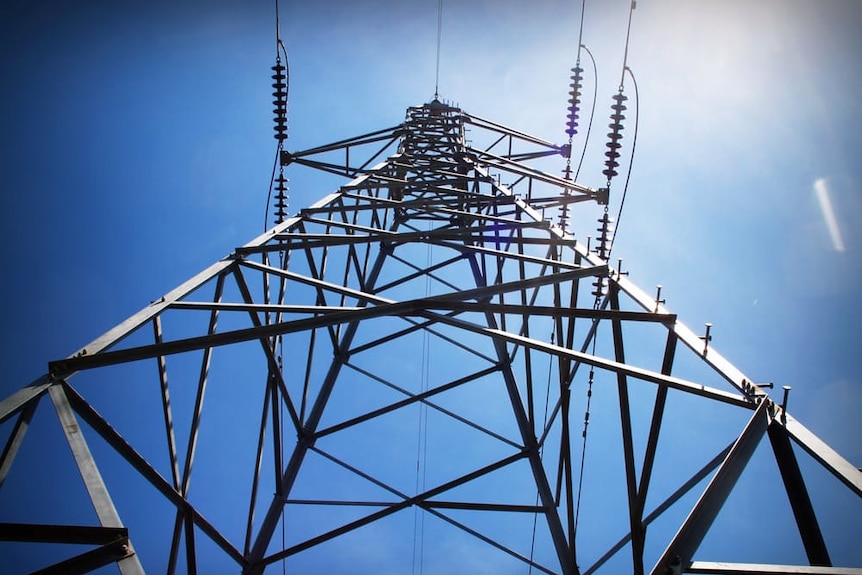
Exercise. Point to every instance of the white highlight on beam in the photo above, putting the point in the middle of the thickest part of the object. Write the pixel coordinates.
(822, 193)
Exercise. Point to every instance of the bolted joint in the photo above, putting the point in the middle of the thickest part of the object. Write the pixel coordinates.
(706, 337)
(603, 196)
(658, 299)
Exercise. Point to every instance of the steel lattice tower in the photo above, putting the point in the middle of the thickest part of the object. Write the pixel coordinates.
(408, 359)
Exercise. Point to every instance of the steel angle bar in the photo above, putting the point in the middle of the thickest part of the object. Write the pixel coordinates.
(513, 256)
(119, 332)
(797, 494)
(96, 488)
(345, 170)
(378, 153)
(261, 307)
(474, 198)
(416, 326)
(191, 553)
(269, 353)
(423, 398)
(19, 399)
(563, 545)
(483, 233)
(369, 234)
(364, 203)
(430, 508)
(655, 422)
(720, 568)
(475, 293)
(701, 517)
(395, 507)
(333, 223)
(16, 438)
(555, 412)
(384, 307)
(602, 363)
(75, 534)
(258, 463)
(419, 272)
(167, 413)
(473, 506)
(95, 485)
(828, 457)
(117, 551)
(359, 473)
(502, 163)
(526, 156)
(506, 131)
(368, 138)
(305, 439)
(692, 340)
(557, 201)
(497, 141)
(423, 207)
(296, 241)
(137, 461)
(663, 506)
(376, 180)
(203, 379)
(236, 336)
(635, 520)
(541, 310)
(338, 503)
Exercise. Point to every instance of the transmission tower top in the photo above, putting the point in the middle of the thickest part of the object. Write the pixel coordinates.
(418, 371)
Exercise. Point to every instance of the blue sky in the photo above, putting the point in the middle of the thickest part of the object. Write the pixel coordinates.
(137, 149)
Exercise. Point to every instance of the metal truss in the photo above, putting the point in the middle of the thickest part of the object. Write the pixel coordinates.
(405, 359)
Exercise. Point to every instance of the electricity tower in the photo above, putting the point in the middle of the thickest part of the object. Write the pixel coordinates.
(420, 365)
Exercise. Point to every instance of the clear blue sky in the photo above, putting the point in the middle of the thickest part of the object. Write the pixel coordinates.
(137, 148)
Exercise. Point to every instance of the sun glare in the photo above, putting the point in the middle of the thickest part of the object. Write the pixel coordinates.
(822, 193)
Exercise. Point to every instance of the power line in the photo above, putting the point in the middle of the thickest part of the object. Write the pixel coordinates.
(439, 41)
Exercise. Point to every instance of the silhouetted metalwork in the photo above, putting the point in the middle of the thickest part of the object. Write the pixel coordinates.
(413, 346)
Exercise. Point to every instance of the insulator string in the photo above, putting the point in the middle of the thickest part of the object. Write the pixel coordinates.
(613, 154)
(573, 114)
(615, 135)
(281, 89)
(617, 109)
(631, 162)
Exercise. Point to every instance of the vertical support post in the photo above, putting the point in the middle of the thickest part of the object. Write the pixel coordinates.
(698, 522)
(803, 511)
(307, 435)
(16, 438)
(563, 545)
(655, 425)
(635, 519)
(99, 496)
